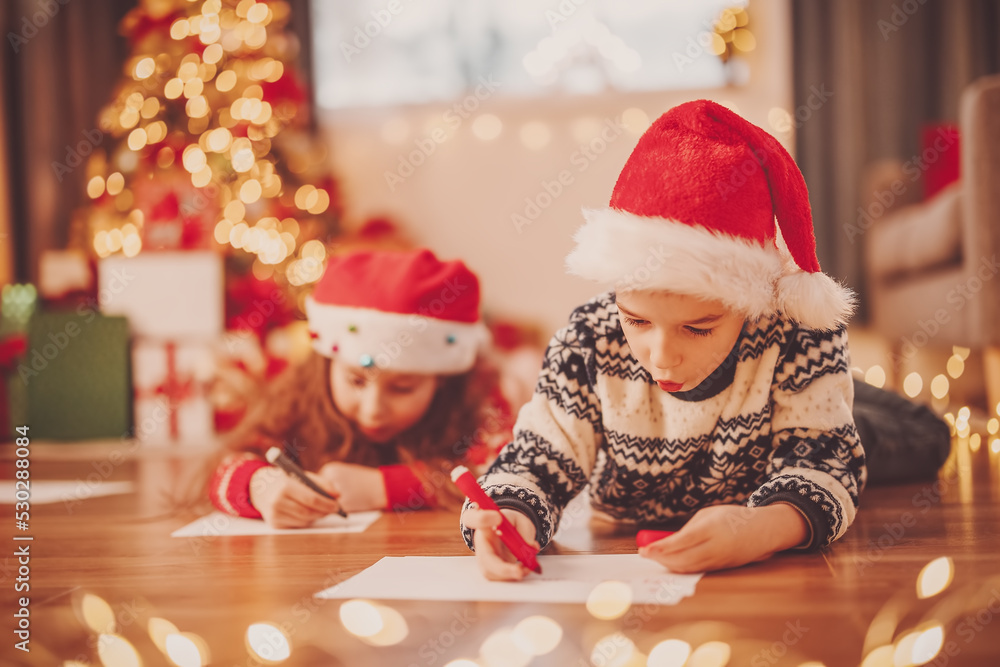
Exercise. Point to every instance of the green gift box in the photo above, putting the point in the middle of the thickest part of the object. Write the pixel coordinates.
(76, 376)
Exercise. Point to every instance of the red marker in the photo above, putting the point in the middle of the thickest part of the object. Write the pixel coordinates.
(508, 533)
(646, 537)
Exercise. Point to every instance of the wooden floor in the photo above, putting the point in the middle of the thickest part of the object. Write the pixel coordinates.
(831, 608)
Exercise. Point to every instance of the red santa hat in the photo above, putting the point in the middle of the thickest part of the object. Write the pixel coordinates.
(694, 212)
(401, 311)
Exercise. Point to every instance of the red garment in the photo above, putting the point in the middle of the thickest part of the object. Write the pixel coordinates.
(229, 489)
(230, 486)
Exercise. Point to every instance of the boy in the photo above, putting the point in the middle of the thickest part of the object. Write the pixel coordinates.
(713, 383)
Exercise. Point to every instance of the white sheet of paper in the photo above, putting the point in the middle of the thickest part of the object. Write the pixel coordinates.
(217, 523)
(568, 579)
(45, 491)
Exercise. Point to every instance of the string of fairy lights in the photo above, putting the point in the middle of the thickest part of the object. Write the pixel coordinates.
(939, 386)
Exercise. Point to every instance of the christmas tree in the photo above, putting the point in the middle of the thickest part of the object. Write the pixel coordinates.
(210, 148)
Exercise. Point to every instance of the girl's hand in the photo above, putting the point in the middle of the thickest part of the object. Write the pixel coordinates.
(724, 536)
(495, 560)
(288, 503)
(359, 488)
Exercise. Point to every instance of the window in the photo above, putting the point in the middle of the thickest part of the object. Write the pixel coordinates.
(390, 52)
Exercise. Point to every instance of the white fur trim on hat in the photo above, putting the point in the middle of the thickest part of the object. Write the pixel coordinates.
(815, 300)
(401, 343)
(637, 252)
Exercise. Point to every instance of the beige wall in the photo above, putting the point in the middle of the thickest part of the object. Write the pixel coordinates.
(459, 202)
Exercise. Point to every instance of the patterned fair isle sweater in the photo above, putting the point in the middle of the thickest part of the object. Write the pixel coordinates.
(772, 424)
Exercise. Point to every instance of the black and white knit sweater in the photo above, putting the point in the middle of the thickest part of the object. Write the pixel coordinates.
(772, 424)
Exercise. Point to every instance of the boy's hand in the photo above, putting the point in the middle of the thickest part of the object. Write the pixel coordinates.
(724, 536)
(284, 502)
(359, 488)
(495, 560)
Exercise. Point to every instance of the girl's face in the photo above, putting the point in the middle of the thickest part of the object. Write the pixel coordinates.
(381, 404)
(678, 338)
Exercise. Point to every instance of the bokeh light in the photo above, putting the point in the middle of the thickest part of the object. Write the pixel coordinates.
(500, 650)
(913, 384)
(879, 657)
(935, 577)
(158, 629)
(711, 654)
(183, 650)
(268, 643)
(394, 627)
(635, 120)
(361, 618)
(486, 127)
(927, 645)
(609, 600)
(97, 614)
(939, 386)
(875, 376)
(614, 650)
(116, 651)
(537, 635)
(669, 653)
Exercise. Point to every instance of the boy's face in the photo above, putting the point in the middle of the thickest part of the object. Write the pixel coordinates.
(380, 403)
(678, 338)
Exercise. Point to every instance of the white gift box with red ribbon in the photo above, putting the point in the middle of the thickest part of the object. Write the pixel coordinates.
(170, 383)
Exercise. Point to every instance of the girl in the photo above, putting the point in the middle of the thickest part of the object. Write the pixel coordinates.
(713, 384)
(394, 394)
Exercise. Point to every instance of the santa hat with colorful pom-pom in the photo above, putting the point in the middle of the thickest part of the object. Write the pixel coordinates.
(694, 212)
(400, 311)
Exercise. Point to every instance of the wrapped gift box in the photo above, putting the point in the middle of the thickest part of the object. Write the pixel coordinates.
(76, 377)
(65, 279)
(165, 295)
(171, 399)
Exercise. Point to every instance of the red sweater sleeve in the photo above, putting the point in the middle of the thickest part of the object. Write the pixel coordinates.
(230, 487)
(404, 490)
